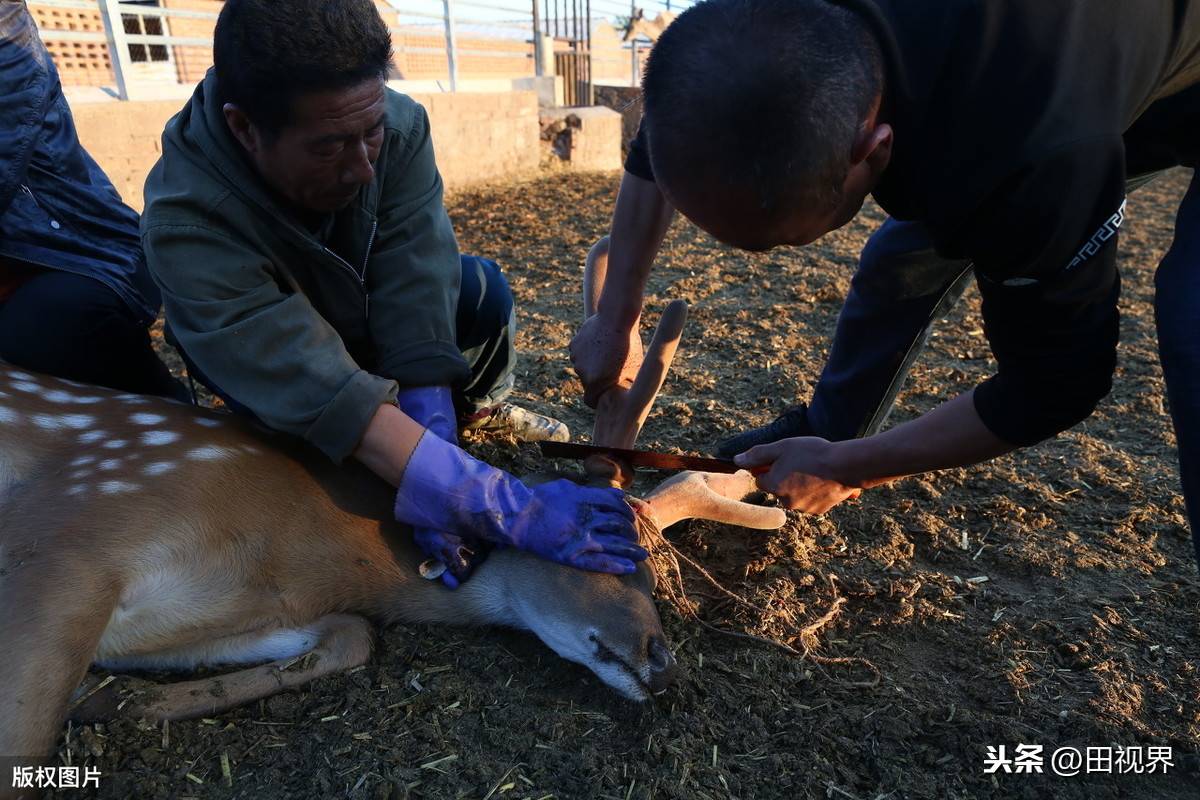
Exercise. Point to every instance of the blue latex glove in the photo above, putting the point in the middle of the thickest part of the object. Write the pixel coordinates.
(433, 408)
(443, 488)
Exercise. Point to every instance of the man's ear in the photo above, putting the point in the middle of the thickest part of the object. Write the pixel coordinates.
(873, 147)
(242, 128)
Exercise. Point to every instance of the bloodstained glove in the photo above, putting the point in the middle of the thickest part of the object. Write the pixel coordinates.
(445, 489)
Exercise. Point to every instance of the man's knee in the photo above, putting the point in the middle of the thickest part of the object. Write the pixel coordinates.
(899, 262)
(80, 329)
(485, 303)
(57, 314)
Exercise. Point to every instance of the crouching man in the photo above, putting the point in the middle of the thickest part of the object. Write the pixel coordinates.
(75, 296)
(311, 278)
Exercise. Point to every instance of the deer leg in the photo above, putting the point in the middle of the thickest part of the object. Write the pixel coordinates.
(344, 643)
(51, 621)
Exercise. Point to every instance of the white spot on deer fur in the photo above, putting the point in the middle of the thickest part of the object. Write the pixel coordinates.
(8, 415)
(78, 488)
(26, 386)
(208, 423)
(52, 423)
(208, 453)
(159, 437)
(158, 468)
(21, 376)
(132, 399)
(116, 487)
(109, 464)
(115, 444)
(59, 396)
(80, 474)
(82, 460)
(92, 436)
(142, 418)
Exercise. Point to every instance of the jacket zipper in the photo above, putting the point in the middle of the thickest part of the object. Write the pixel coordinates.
(366, 258)
(362, 278)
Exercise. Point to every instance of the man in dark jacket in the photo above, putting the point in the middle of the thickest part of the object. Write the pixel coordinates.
(1000, 138)
(75, 296)
(310, 276)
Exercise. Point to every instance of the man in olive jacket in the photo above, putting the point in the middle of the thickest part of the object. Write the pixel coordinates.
(311, 278)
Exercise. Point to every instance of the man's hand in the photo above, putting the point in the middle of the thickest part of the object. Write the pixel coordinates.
(800, 473)
(604, 355)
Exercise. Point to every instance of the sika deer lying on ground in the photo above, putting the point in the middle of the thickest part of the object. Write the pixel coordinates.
(139, 533)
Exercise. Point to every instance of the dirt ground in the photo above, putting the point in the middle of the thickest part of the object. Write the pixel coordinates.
(1084, 632)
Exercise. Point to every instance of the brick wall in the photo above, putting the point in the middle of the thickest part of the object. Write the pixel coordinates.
(477, 137)
(419, 55)
(79, 63)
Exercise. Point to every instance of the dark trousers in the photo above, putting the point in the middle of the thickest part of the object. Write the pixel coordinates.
(485, 327)
(902, 286)
(75, 327)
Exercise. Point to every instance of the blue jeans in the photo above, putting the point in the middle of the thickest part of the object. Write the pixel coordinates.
(902, 286)
(78, 328)
(485, 327)
(1177, 315)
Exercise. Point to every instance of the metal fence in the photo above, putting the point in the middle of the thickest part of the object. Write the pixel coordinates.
(156, 48)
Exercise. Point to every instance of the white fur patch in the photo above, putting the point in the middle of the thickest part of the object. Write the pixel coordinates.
(116, 487)
(52, 423)
(26, 386)
(109, 464)
(132, 399)
(158, 468)
(114, 444)
(208, 453)
(207, 422)
(80, 474)
(91, 437)
(21, 376)
(78, 488)
(159, 437)
(81, 461)
(8, 415)
(142, 418)
(59, 396)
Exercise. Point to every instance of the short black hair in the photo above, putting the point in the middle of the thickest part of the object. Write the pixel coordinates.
(268, 52)
(762, 99)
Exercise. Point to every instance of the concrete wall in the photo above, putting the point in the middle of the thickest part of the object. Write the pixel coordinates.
(477, 137)
(626, 101)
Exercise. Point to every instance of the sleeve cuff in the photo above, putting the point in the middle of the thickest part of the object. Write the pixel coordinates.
(426, 364)
(340, 428)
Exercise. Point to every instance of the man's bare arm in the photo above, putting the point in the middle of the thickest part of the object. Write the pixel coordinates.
(604, 347)
(640, 222)
(388, 443)
(813, 475)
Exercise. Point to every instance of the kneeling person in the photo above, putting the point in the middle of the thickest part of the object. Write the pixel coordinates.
(311, 278)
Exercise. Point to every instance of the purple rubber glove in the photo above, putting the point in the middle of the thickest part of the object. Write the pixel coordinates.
(443, 488)
(433, 408)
